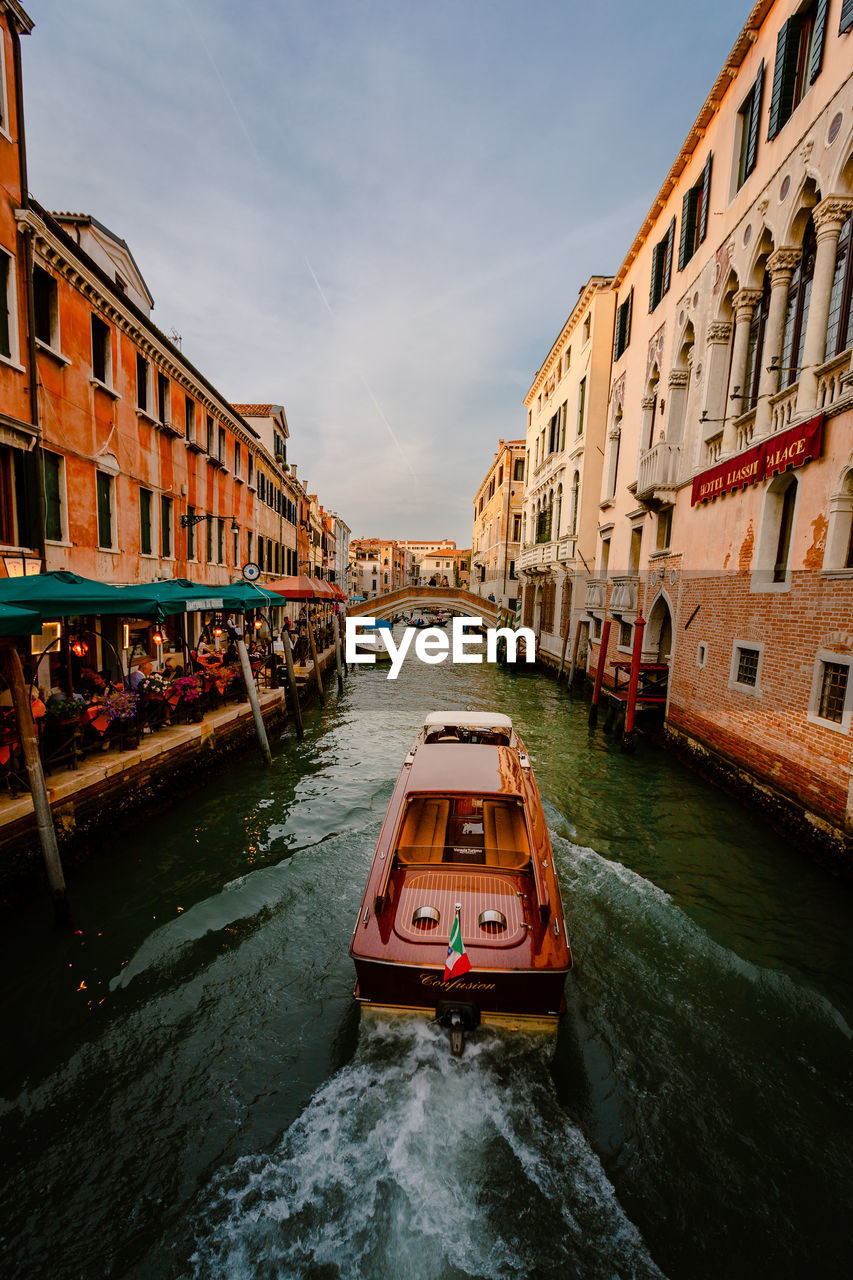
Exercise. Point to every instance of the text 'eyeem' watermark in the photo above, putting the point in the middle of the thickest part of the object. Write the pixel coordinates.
(433, 645)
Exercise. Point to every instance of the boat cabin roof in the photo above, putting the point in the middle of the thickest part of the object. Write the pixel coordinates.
(467, 720)
(465, 768)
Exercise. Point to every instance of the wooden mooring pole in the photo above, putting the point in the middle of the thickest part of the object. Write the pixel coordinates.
(630, 709)
(599, 673)
(28, 734)
(336, 627)
(291, 684)
(565, 644)
(251, 689)
(318, 676)
(575, 648)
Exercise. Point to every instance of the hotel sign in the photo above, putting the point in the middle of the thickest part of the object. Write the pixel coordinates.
(789, 448)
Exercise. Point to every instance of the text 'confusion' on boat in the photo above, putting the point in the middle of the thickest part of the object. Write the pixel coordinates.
(433, 645)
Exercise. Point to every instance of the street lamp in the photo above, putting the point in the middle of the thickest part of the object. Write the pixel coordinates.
(22, 566)
(188, 522)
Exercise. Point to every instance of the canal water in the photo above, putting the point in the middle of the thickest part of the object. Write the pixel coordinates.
(186, 1089)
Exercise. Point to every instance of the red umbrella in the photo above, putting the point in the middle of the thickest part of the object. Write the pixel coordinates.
(322, 590)
(297, 588)
(339, 594)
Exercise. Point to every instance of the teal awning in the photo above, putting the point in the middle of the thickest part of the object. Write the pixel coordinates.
(62, 594)
(19, 622)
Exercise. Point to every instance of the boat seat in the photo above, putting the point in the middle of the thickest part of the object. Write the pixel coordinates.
(424, 831)
(504, 836)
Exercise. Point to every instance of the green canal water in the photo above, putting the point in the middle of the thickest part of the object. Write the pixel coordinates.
(186, 1089)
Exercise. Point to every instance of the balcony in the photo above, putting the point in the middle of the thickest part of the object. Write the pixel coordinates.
(538, 554)
(783, 406)
(658, 470)
(596, 594)
(623, 598)
(833, 381)
(744, 430)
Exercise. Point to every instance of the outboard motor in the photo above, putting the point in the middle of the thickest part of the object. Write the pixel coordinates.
(459, 1018)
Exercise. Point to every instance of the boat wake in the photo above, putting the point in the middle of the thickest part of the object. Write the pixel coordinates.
(410, 1163)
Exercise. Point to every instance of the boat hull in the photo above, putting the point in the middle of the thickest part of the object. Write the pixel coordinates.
(495, 994)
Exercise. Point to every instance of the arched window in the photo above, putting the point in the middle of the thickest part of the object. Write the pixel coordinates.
(788, 496)
(839, 534)
(576, 484)
(755, 350)
(797, 310)
(839, 327)
(558, 512)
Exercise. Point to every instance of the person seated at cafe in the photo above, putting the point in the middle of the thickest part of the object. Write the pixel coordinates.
(91, 683)
(203, 648)
(140, 673)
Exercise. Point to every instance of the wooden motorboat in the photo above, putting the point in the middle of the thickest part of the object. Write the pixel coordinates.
(464, 840)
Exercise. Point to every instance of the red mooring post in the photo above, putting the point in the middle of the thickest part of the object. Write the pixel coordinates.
(599, 673)
(636, 657)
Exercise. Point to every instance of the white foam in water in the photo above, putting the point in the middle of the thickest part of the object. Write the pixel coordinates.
(411, 1163)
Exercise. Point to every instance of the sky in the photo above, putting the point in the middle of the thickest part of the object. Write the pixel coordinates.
(376, 214)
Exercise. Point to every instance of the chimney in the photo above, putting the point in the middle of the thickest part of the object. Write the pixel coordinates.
(293, 469)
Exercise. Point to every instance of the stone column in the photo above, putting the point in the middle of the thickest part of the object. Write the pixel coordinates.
(716, 381)
(676, 404)
(781, 265)
(649, 407)
(745, 301)
(829, 218)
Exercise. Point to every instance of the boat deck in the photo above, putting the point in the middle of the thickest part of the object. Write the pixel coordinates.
(476, 889)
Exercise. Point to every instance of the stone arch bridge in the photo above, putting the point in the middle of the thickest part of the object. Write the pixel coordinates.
(406, 599)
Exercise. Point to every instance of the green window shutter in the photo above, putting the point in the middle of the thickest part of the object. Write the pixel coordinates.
(784, 75)
(105, 522)
(686, 219)
(754, 122)
(653, 298)
(52, 464)
(630, 313)
(706, 197)
(145, 521)
(5, 348)
(846, 17)
(667, 257)
(818, 40)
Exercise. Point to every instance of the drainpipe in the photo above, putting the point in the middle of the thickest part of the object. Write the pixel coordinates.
(28, 275)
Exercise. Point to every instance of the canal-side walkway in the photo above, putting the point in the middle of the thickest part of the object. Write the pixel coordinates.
(108, 788)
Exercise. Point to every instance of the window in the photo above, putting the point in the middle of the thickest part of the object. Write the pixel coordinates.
(516, 528)
(846, 17)
(7, 304)
(833, 691)
(211, 432)
(661, 267)
(104, 486)
(238, 461)
(190, 533)
(623, 326)
(694, 216)
(799, 55)
(209, 541)
(581, 404)
(587, 323)
(749, 118)
(236, 538)
(786, 525)
(46, 317)
(635, 548)
(250, 540)
(141, 382)
(625, 633)
(165, 527)
(250, 469)
(664, 530)
(831, 701)
(573, 519)
(53, 464)
(839, 328)
(596, 627)
(701, 653)
(221, 449)
(511, 573)
(261, 550)
(554, 434)
(101, 351)
(797, 310)
(189, 418)
(605, 557)
(220, 540)
(164, 400)
(145, 543)
(745, 671)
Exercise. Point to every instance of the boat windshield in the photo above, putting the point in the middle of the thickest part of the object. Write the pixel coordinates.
(486, 831)
(491, 737)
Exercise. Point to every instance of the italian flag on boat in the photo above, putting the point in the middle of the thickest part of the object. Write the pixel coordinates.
(457, 961)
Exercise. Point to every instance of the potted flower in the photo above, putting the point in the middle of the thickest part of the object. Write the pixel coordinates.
(189, 690)
(120, 704)
(154, 685)
(66, 711)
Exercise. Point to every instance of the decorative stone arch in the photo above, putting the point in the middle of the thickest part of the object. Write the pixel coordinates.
(800, 210)
(725, 312)
(659, 635)
(838, 553)
(841, 177)
(764, 247)
(678, 383)
(650, 405)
